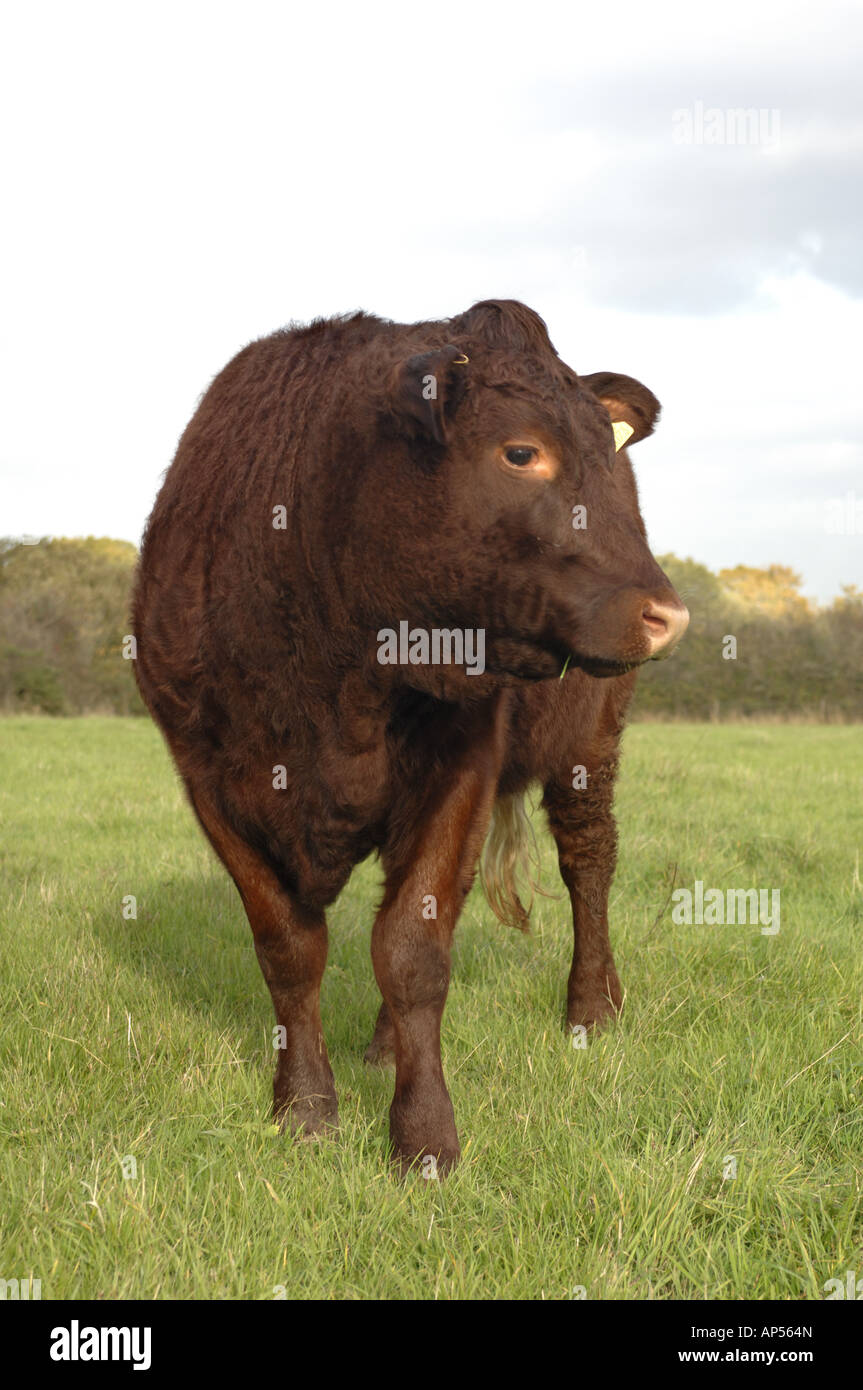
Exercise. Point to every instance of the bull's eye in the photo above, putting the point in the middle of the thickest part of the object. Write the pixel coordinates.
(520, 454)
(536, 461)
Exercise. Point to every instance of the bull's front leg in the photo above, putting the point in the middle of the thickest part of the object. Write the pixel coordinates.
(583, 825)
(428, 876)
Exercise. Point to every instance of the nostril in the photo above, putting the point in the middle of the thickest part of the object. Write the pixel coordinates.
(654, 621)
(665, 623)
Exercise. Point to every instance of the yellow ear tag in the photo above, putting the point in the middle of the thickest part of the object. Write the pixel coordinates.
(622, 431)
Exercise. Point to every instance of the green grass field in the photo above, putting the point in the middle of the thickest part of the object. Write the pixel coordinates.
(599, 1170)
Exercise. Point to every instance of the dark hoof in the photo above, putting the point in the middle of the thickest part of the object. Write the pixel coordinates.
(424, 1139)
(594, 1015)
(428, 1166)
(314, 1118)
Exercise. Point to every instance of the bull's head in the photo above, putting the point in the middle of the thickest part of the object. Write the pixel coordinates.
(514, 508)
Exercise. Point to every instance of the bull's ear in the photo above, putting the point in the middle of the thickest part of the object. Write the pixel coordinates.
(632, 409)
(424, 385)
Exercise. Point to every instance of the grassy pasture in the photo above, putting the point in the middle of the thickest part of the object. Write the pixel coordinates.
(606, 1170)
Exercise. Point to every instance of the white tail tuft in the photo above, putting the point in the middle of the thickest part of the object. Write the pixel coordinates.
(510, 851)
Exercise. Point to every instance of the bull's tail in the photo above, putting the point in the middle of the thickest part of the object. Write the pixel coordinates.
(510, 852)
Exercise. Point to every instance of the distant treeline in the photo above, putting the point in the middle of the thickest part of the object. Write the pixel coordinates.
(755, 646)
(64, 610)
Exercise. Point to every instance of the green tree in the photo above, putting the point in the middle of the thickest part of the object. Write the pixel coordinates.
(63, 614)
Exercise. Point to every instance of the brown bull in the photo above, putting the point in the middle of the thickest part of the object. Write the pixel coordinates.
(378, 548)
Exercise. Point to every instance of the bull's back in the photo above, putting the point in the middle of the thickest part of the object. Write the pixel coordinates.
(198, 551)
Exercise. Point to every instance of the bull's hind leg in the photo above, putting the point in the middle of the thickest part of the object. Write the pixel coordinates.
(381, 1051)
(291, 946)
(584, 828)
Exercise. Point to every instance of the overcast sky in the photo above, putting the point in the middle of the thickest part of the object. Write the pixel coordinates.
(181, 178)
